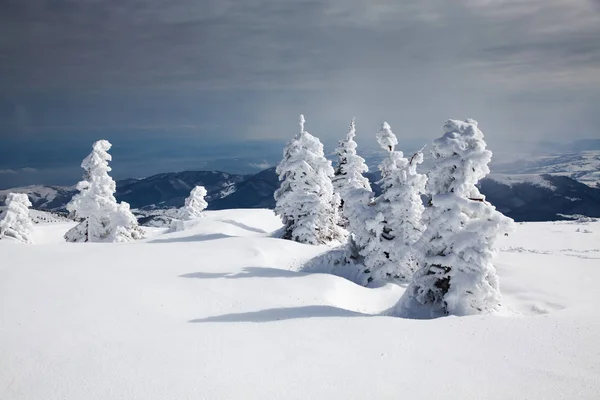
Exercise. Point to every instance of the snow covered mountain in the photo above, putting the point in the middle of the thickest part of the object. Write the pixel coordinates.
(582, 166)
(171, 189)
(523, 197)
(222, 310)
(47, 198)
(157, 191)
(540, 197)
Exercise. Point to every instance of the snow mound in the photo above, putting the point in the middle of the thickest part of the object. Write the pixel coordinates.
(219, 311)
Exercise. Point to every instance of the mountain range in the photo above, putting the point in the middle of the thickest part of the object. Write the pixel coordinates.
(523, 197)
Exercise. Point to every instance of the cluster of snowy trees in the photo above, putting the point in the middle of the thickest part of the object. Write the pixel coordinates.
(443, 251)
(101, 218)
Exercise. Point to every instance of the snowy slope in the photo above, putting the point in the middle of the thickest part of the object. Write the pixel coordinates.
(531, 179)
(540, 197)
(583, 166)
(43, 197)
(218, 312)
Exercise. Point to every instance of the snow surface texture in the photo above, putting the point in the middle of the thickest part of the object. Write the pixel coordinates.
(218, 312)
(305, 200)
(103, 219)
(15, 223)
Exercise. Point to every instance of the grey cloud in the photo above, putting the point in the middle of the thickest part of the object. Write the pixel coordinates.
(224, 44)
(413, 62)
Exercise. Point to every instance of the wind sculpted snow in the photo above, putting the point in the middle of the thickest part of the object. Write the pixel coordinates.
(220, 311)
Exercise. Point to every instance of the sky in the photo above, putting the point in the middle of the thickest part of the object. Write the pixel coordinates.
(179, 84)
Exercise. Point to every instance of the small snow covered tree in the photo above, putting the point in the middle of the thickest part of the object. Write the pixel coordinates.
(194, 204)
(305, 200)
(15, 223)
(395, 220)
(348, 174)
(125, 225)
(457, 276)
(103, 220)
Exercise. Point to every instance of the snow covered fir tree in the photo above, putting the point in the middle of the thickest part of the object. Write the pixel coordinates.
(305, 200)
(102, 218)
(385, 228)
(457, 275)
(398, 210)
(349, 171)
(194, 204)
(15, 223)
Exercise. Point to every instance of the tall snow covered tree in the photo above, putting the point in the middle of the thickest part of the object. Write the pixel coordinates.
(15, 223)
(349, 171)
(457, 276)
(103, 220)
(394, 223)
(194, 204)
(305, 200)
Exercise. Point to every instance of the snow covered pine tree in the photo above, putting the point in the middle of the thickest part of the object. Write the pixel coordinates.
(305, 200)
(348, 174)
(194, 204)
(395, 220)
(104, 220)
(15, 223)
(457, 276)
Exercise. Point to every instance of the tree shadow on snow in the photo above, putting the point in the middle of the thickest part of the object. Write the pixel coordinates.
(195, 238)
(243, 226)
(281, 314)
(248, 272)
(205, 275)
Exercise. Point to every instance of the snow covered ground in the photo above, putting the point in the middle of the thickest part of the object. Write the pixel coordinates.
(217, 311)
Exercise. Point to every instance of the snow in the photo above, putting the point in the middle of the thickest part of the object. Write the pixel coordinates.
(218, 312)
(583, 166)
(511, 180)
(34, 191)
(15, 223)
(194, 204)
(45, 217)
(230, 188)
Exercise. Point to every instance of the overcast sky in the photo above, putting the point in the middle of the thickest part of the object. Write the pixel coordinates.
(184, 73)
